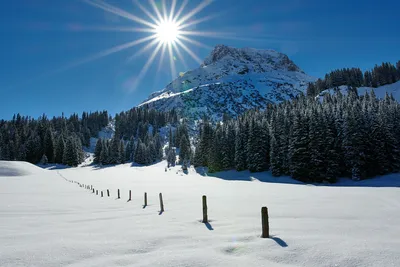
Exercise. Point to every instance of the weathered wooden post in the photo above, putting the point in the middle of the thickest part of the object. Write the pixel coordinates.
(108, 193)
(145, 199)
(118, 194)
(93, 190)
(265, 223)
(161, 203)
(205, 215)
(101, 193)
(130, 195)
(97, 192)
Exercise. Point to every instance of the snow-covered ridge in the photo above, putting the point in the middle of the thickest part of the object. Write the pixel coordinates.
(232, 80)
(380, 92)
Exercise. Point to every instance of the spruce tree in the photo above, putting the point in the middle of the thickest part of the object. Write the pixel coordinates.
(49, 145)
(60, 149)
(97, 151)
(70, 153)
(299, 153)
(184, 151)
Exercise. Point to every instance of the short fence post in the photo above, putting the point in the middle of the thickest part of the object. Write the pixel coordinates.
(205, 215)
(93, 190)
(118, 194)
(97, 192)
(101, 193)
(108, 193)
(145, 199)
(264, 221)
(161, 203)
(130, 195)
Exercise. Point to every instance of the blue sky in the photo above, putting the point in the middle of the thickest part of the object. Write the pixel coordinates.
(42, 40)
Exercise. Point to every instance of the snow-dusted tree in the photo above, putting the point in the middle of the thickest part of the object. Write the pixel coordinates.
(71, 156)
(121, 152)
(97, 151)
(184, 151)
(60, 147)
(114, 151)
(104, 154)
(49, 145)
(171, 157)
(240, 149)
(44, 160)
(300, 155)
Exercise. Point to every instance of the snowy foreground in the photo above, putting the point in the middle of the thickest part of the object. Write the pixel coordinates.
(47, 221)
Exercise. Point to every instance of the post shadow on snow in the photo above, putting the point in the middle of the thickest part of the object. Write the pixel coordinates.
(209, 226)
(390, 180)
(279, 241)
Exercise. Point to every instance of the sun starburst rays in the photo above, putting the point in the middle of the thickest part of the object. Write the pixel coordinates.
(168, 27)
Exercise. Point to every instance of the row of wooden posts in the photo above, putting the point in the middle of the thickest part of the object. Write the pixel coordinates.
(264, 210)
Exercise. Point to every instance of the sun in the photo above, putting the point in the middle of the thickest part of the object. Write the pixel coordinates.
(167, 32)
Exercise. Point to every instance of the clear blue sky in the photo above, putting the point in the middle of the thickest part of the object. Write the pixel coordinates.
(40, 39)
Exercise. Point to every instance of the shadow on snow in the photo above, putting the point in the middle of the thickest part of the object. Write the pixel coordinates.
(390, 180)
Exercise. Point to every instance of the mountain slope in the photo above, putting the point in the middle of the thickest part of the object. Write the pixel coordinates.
(232, 81)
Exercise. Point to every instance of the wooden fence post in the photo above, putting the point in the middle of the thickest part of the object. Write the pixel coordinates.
(205, 215)
(145, 199)
(97, 192)
(265, 223)
(118, 194)
(108, 193)
(93, 190)
(161, 203)
(130, 195)
(101, 193)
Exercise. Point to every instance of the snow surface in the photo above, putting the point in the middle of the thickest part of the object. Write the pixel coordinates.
(47, 221)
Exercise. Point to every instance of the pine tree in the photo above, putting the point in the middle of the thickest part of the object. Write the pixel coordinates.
(121, 152)
(70, 153)
(49, 145)
(299, 154)
(104, 154)
(184, 151)
(60, 150)
(215, 154)
(171, 157)
(316, 147)
(240, 151)
(256, 149)
(97, 151)
(44, 160)
(114, 151)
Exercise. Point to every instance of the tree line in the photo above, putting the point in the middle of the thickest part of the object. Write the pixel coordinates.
(56, 140)
(311, 141)
(380, 75)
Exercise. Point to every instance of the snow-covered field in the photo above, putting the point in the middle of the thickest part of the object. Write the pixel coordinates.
(47, 221)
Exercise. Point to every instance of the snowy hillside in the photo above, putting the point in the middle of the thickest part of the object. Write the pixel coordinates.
(380, 92)
(47, 221)
(232, 81)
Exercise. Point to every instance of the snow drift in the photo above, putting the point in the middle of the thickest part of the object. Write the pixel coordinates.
(18, 168)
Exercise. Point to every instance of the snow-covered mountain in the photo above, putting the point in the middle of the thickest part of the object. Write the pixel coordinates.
(231, 81)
